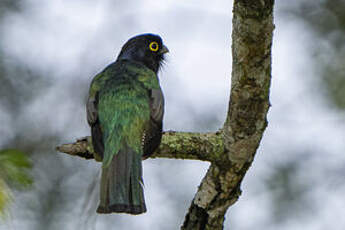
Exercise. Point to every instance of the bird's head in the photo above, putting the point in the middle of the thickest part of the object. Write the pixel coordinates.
(147, 49)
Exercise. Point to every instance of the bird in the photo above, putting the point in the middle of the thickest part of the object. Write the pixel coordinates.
(125, 109)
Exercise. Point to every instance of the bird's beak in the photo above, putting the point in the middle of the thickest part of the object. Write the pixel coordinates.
(164, 50)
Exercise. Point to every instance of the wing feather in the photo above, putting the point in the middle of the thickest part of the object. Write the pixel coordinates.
(153, 135)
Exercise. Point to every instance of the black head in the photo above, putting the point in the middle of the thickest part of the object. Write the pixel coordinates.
(147, 49)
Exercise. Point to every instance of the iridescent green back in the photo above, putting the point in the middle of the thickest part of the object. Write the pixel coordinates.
(123, 106)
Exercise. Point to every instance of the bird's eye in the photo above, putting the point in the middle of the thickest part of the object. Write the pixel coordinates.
(154, 46)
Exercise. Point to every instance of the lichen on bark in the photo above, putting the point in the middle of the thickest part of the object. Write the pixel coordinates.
(230, 150)
(176, 145)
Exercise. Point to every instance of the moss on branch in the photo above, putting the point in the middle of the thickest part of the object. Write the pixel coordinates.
(232, 150)
(176, 145)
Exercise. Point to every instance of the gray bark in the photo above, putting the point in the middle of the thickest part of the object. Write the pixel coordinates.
(232, 149)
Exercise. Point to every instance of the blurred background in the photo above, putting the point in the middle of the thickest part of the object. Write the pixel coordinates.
(49, 52)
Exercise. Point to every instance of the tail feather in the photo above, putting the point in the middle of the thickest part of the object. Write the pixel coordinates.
(121, 184)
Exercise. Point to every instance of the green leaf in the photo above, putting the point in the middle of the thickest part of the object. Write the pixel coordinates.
(5, 197)
(14, 168)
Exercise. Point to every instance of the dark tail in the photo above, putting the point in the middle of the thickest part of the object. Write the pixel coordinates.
(122, 184)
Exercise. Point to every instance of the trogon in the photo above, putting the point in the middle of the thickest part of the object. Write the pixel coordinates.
(125, 111)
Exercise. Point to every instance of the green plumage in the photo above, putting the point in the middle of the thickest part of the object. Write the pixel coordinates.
(128, 92)
(125, 111)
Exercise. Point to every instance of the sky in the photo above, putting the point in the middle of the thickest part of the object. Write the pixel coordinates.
(68, 42)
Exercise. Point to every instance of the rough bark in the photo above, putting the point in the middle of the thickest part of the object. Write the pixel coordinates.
(177, 145)
(246, 121)
(231, 151)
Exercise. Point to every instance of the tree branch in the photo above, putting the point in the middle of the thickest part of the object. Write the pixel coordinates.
(230, 151)
(177, 145)
(246, 120)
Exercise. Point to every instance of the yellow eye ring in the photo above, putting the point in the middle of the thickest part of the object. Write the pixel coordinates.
(154, 46)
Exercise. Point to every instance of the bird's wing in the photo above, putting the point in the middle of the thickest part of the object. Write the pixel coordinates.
(157, 105)
(153, 135)
(92, 115)
(91, 109)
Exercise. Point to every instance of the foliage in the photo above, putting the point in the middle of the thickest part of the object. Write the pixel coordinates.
(14, 172)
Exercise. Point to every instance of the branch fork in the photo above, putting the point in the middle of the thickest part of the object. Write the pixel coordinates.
(231, 150)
